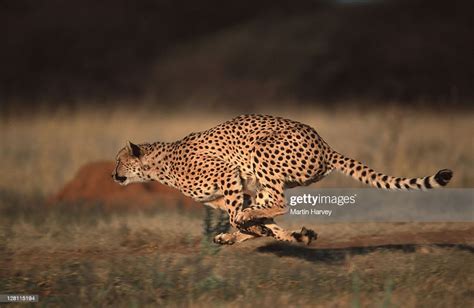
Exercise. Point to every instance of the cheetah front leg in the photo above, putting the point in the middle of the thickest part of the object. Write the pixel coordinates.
(230, 185)
(240, 235)
(269, 203)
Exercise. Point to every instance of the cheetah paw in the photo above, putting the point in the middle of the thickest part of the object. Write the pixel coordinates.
(246, 216)
(306, 236)
(224, 239)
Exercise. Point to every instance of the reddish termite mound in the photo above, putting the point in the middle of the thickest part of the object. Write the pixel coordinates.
(93, 184)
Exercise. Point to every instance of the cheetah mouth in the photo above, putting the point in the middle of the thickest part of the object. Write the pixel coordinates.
(123, 183)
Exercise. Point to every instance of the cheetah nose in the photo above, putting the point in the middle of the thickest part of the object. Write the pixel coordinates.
(119, 178)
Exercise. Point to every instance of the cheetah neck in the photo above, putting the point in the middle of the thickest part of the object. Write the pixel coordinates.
(160, 163)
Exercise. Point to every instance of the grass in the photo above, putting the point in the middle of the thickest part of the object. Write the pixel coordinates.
(84, 256)
(128, 259)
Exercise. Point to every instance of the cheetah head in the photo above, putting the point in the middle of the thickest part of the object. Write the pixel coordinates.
(131, 166)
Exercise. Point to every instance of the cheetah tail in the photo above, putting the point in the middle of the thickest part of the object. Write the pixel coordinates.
(366, 175)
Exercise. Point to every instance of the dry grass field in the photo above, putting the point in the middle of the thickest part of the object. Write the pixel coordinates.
(76, 256)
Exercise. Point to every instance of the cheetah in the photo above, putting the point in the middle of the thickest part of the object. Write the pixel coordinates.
(244, 165)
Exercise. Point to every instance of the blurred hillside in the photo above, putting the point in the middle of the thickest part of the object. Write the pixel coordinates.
(168, 50)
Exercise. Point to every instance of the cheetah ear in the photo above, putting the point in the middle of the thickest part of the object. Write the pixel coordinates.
(134, 149)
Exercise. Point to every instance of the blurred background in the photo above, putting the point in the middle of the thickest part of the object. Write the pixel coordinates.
(386, 82)
(209, 53)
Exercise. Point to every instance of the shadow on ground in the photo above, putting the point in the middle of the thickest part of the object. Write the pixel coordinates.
(338, 255)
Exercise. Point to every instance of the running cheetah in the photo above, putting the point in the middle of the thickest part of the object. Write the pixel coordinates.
(243, 166)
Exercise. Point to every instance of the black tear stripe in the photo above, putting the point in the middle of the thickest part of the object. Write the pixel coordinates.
(427, 182)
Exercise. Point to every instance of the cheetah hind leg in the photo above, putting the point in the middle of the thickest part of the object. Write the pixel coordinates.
(305, 236)
(268, 227)
(258, 229)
